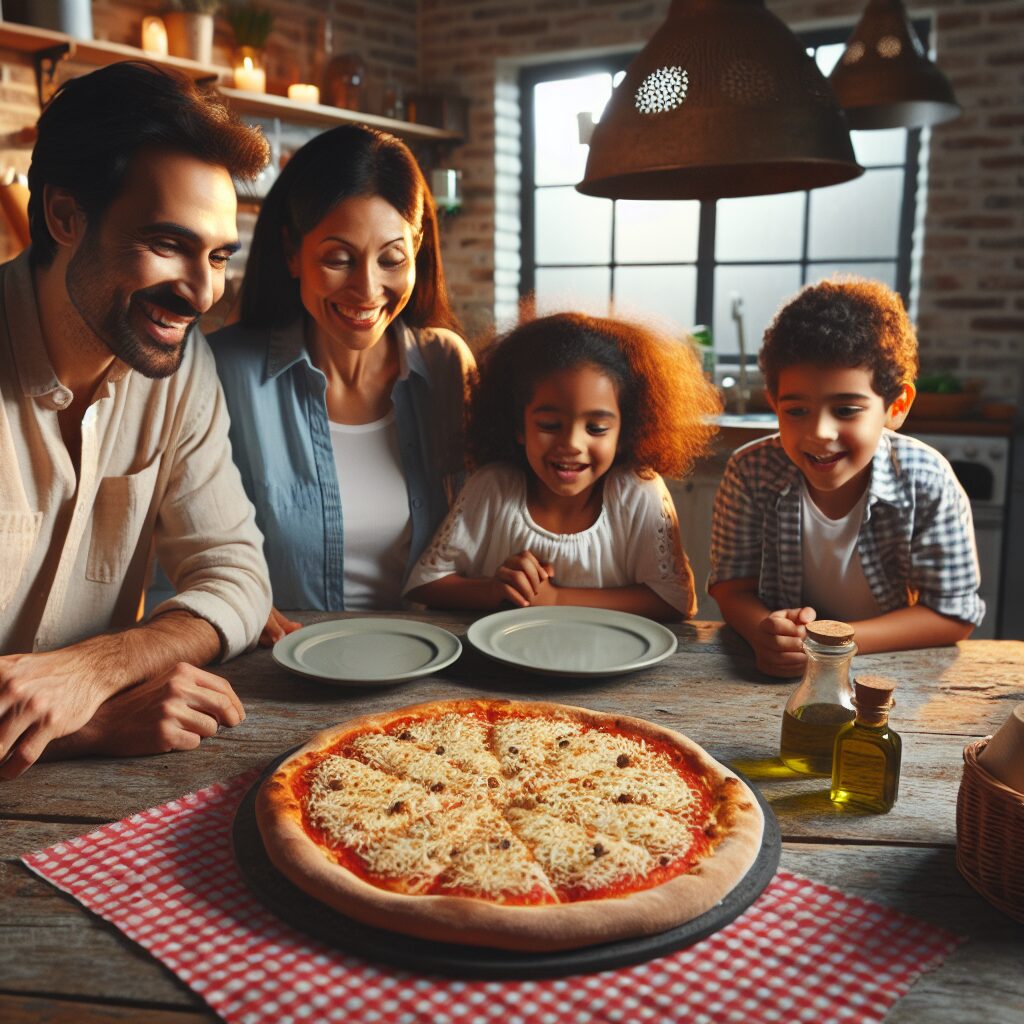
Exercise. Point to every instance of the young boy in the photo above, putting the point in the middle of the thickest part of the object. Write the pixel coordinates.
(836, 516)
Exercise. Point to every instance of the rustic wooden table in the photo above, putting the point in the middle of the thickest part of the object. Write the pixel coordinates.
(61, 964)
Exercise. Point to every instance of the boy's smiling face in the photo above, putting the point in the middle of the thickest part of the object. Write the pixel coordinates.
(830, 421)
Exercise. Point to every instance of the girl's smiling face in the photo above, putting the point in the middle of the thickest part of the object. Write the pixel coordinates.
(570, 431)
(356, 271)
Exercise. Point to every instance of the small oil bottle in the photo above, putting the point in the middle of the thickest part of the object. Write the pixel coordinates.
(866, 763)
(823, 702)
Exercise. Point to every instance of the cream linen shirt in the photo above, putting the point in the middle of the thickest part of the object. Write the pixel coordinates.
(156, 474)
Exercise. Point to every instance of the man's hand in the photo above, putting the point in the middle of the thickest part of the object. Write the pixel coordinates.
(43, 697)
(277, 626)
(523, 577)
(173, 711)
(778, 641)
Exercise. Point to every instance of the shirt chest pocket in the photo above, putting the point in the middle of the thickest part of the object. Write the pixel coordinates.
(18, 532)
(118, 514)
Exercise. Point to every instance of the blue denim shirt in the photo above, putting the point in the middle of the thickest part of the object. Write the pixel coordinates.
(280, 438)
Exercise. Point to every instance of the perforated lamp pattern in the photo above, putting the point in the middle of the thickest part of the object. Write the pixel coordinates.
(884, 78)
(722, 101)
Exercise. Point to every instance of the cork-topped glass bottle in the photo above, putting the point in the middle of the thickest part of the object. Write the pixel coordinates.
(866, 760)
(823, 702)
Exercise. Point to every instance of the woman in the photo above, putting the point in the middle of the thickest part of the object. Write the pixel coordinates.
(344, 378)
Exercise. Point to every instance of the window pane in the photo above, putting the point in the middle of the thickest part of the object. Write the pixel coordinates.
(827, 57)
(880, 147)
(560, 157)
(858, 218)
(572, 228)
(760, 227)
(884, 272)
(762, 290)
(585, 289)
(656, 232)
(666, 294)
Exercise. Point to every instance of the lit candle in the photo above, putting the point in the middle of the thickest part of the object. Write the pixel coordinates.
(154, 36)
(303, 93)
(249, 77)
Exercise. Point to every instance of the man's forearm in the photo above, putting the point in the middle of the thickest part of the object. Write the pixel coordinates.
(131, 655)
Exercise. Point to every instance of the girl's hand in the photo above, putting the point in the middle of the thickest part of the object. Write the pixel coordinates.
(277, 626)
(524, 577)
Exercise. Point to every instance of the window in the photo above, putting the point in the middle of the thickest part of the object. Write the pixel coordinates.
(721, 263)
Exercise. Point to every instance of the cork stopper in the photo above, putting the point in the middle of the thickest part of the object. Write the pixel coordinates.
(873, 697)
(830, 632)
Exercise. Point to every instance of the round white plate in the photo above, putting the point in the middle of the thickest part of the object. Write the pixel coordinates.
(357, 652)
(572, 641)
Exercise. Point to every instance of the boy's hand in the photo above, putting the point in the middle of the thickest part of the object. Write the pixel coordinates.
(523, 577)
(778, 641)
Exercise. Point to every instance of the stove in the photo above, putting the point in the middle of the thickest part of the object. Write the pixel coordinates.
(982, 465)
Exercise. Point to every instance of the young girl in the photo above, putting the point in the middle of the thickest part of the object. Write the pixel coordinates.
(573, 420)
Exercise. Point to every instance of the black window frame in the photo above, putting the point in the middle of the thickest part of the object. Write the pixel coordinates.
(706, 262)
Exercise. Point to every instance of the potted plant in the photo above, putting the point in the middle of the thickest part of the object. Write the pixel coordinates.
(190, 29)
(251, 25)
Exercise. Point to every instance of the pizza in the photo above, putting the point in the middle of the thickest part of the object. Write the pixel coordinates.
(529, 826)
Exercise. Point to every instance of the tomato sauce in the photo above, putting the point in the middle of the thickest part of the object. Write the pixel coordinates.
(697, 815)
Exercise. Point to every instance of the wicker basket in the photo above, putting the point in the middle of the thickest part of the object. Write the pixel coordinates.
(990, 835)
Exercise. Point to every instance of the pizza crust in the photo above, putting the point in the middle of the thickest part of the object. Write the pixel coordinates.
(476, 921)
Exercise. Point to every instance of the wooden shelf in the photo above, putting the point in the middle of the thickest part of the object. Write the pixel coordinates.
(266, 105)
(41, 43)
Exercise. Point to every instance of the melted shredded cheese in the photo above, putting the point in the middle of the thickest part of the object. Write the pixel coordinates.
(523, 806)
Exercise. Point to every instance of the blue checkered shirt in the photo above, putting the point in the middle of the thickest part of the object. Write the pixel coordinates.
(916, 542)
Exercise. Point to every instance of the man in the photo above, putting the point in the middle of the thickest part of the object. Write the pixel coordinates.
(113, 432)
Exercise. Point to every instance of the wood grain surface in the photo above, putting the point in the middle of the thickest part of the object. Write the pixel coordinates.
(60, 963)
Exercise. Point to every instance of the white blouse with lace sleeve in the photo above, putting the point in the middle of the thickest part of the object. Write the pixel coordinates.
(634, 540)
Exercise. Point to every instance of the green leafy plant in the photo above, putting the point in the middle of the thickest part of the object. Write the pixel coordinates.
(194, 6)
(940, 383)
(251, 24)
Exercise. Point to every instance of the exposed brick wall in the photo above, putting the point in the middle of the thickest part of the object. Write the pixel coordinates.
(971, 298)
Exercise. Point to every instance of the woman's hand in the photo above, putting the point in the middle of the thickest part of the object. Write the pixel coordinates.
(277, 626)
(525, 579)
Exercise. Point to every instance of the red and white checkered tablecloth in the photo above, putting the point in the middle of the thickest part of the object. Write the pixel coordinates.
(167, 879)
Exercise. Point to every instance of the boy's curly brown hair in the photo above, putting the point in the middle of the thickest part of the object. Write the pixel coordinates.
(848, 321)
(666, 404)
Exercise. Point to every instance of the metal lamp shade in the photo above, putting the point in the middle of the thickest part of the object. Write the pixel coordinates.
(884, 78)
(723, 101)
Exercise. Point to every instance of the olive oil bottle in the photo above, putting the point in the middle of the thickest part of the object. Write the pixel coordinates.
(866, 760)
(823, 702)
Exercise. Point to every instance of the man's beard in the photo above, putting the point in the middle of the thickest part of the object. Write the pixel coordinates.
(109, 316)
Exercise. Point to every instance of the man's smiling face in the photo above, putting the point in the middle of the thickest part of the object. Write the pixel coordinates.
(155, 261)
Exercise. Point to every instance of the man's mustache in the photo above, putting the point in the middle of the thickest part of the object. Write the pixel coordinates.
(166, 298)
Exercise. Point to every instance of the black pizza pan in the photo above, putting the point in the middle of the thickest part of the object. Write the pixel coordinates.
(428, 956)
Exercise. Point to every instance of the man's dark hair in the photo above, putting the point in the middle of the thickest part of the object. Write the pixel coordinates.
(845, 322)
(94, 125)
(348, 161)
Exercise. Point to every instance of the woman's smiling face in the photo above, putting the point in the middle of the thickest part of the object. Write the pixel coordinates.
(356, 271)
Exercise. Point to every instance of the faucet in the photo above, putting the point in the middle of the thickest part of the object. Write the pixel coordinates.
(742, 389)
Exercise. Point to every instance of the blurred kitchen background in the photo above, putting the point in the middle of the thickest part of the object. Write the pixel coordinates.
(495, 98)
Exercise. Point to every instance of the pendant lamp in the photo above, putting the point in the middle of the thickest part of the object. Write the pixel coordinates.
(884, 79)
(723, 101)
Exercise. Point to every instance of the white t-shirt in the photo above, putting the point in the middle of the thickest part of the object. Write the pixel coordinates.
(374, 511)
(834, 584)
(634, 540)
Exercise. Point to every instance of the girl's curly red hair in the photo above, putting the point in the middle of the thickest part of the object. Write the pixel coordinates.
(666, 404)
